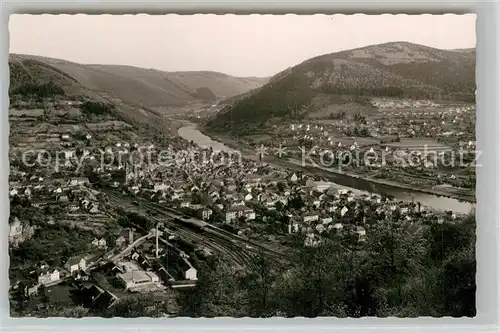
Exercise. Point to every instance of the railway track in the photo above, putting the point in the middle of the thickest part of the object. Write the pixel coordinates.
(210, 240)
(213, 242)
(234, 255)
(220, 234)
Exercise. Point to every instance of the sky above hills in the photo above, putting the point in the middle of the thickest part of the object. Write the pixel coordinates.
(252, 45)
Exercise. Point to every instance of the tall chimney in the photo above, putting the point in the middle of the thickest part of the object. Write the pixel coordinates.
(157, 241)
(131, 235)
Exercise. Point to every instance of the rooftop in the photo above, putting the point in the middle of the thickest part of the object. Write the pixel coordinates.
(135, 276)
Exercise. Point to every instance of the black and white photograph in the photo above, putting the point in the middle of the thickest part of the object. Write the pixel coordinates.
(242, 165)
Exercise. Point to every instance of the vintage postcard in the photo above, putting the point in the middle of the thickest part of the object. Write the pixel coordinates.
(242, 166)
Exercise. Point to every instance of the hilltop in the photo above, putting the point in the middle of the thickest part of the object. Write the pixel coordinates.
(397, 69)
(34, 84)
(138, 86)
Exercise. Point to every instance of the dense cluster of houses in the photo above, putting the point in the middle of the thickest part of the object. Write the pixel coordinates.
(205, 188)
(43, 275)
(137, 272)
(387, 103)
(444, 122)
(390, 125)
(140, 271)
(240, 193)
(71, 194)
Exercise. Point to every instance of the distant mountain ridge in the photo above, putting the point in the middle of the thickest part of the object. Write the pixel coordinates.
(396, 69)
(145, 87)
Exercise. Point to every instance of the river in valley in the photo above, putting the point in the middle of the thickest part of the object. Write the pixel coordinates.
(191, 133)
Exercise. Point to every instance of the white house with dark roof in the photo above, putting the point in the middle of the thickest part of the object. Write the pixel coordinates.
(134, 279)
(239, 211)
(206, 213)
(310, 218)
(76, 263)
(326, 220)
(361, 233)
(49, 277)
(102, 243)
(79, 181)
(188, 271)
(344, 211)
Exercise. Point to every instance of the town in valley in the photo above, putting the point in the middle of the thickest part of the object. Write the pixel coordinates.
(343, 186)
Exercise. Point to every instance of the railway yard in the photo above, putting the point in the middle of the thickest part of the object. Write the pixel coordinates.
(200, 234)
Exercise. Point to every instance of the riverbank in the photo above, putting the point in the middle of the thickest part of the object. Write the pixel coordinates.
(331, 173)
(386, 182)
